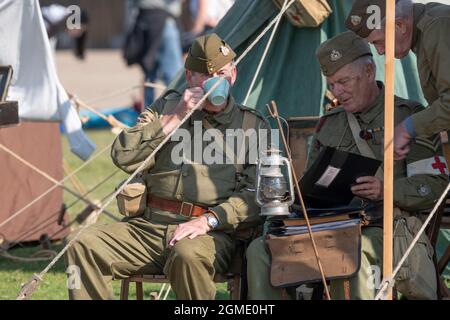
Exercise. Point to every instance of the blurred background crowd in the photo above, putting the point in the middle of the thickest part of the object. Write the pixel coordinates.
(151, 35)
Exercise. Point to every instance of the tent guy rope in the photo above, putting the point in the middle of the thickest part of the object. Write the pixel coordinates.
(263, 58)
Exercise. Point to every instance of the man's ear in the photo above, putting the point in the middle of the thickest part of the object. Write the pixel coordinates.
(188, 74)
(233, 74)
(370, 71)
(400, 26)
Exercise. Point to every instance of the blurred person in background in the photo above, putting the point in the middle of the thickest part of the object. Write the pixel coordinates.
(201, 16)
(192, 21)
(216, 11)
(55, 20)
(154, 42)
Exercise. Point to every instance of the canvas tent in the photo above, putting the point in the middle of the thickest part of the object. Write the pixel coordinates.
(43, 103)
(40, 144)
(24, 45)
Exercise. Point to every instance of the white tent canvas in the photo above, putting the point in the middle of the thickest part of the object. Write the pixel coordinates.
(35, 85)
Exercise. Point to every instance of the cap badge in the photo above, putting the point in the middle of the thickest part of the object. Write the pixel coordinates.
(355, 20)
(335, 55)
(225, 51)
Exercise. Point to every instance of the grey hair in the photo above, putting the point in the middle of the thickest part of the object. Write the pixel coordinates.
(364, 61)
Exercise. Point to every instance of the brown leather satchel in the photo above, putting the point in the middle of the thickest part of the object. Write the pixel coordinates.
(306, 13)
(294, 263)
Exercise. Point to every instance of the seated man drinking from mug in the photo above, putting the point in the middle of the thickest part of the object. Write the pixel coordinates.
(195, 210)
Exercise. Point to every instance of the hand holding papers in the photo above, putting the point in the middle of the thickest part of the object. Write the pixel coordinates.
(328, 181)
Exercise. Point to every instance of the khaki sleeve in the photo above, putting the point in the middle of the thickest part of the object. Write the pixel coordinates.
(132, 146)
(436, 117)
(424, 181)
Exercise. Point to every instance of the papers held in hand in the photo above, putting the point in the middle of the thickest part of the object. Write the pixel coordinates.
(328, 182)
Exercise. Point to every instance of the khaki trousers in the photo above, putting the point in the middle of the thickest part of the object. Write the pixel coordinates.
(139, 245)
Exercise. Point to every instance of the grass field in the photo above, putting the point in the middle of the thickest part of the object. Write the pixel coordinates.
(14, 273)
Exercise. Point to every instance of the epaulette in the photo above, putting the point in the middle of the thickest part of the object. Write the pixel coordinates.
(255, 112)
(167, 101)
(323, 118)
(334, 111)
(171, 95)
(432, 12)
(410, 104)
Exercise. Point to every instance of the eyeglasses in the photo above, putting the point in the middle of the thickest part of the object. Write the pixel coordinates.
(345, 83)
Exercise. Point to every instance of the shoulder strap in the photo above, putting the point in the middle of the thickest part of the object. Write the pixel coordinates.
(248, 122)
(171, 101)
(362, 144)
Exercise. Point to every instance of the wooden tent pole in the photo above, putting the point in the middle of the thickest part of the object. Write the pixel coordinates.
(388, 145)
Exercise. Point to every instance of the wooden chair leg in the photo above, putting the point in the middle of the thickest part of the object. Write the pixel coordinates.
(284, 294)
(347, 289)
(139, 291)
(441, 265)
(395, 293)
(443, 262)
(124, 289)
(435, 225)
(445, 292)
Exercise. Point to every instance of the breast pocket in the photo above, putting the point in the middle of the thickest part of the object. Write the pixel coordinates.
(208, 184)
(163, 184)
(345, 143)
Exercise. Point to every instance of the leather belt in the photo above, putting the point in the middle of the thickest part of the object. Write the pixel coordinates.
(186, 209)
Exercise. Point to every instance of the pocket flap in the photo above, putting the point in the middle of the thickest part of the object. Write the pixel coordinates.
(133, 190)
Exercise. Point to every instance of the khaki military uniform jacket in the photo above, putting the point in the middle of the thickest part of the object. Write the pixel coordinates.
(431, 44)
(217, 186)
(418, 180)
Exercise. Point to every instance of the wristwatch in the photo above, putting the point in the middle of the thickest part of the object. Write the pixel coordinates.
(211, 220)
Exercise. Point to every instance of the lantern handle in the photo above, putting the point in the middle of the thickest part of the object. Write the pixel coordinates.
(258, 182)
(291, 185)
